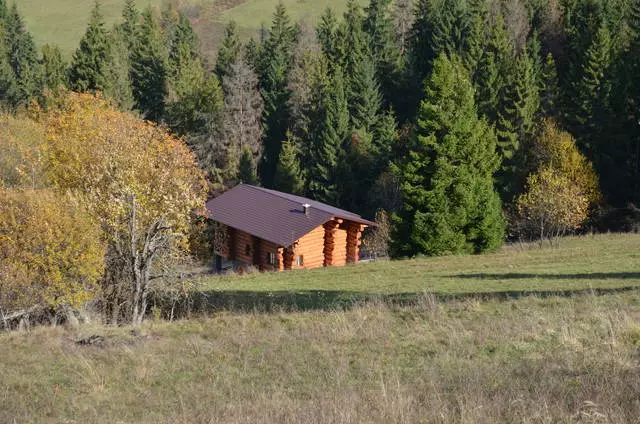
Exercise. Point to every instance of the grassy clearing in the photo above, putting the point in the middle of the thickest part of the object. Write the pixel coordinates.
(63, 22)
(253, 14)
(590, 262)
(531, 360)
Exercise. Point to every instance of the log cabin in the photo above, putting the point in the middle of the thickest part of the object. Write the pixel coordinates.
(275, 231)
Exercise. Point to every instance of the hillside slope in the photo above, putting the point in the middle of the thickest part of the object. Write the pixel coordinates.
(63, 22)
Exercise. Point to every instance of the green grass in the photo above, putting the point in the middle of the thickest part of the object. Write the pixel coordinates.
(253, 14)
(63, 22)
(560, 359)
(554, 355)
(589, 262)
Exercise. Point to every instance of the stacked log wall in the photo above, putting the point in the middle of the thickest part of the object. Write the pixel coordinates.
(311, 247)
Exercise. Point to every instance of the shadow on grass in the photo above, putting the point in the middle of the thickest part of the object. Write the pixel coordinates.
(286, 301)
(516, 276)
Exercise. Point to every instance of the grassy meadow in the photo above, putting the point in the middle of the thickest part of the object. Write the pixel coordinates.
(63, 22)
(479, 357)
(600, 262)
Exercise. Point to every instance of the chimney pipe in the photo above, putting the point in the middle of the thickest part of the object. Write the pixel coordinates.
(305, 208)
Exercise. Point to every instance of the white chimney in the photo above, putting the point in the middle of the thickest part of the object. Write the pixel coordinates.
(305, 208)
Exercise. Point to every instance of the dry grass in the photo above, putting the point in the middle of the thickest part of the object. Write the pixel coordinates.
(532, 360)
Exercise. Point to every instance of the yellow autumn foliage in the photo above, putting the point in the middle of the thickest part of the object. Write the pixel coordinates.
(105, 157)
(560, 194)
(50, 252)
(21, 142)
(557, 149)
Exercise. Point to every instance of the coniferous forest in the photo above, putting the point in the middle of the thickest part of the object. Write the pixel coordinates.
(468, 121)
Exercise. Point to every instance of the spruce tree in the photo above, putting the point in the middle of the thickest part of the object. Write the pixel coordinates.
(229, 50)
(89, 62)
(23, 59)
(274, 63)
(450, 205)
(592, 95)
(331, 38)
(364, 95)
(328, 138)
(150, 69)
(495, 71)
(516, 125)
(117, 72)
(130, 23)
(8, 88)
(54, 68)
(196, 97)
(476, 37)
(550, 89)
(384, 46)
(247, 169)
(181, 39)
(289, 175)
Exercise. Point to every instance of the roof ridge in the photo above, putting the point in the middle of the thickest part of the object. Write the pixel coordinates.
(277, 193)
(319, 205)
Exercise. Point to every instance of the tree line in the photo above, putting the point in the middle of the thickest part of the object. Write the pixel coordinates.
(468, 121)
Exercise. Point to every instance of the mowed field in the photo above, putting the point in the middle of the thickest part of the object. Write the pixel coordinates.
(63, 22)
(550, 356)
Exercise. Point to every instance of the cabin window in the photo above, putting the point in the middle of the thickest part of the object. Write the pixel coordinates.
(271, 258)
(300, 260)
(247, 249)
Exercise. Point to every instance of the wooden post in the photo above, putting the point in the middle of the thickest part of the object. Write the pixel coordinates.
(329, 241)
(354, 232)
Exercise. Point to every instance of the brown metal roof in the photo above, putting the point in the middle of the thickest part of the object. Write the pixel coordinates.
(271, 215)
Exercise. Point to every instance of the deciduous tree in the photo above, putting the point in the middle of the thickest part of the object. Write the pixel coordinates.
(136, 180)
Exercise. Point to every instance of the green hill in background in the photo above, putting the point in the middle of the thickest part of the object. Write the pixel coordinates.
(63, 22)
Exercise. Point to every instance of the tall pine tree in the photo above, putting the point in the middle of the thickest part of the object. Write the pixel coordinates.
(328, 138)
(150, 68)
(229, 50)
(450, 205)
(274, 63)
(289, 175)
(89, 62)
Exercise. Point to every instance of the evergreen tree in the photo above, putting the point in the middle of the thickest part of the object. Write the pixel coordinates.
(516, 125)
(476, 37)
(89, 62)
(149, 69)
(289, 175)
(385, 47)
(196, 97)
(330, 38)
(8, 88)
(117, 72)
(495, 71)
(364, 95)
(550, 89)
(274, 63)
(229, 50)
(182, 41)
(592, 95)
(328, 138)
(54, 69)
(247, 169)
(23, 59)
(450, 205)
(130, 24)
